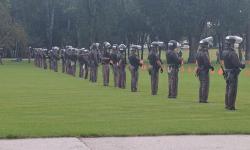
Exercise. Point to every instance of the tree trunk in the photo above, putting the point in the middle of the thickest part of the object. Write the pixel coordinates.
(52, 26)
(51, 20)
(193, 46)
(221, 42)
(92, 20)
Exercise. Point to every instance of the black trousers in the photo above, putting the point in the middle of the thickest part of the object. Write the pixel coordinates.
(154, 81)
(172, 82)
(231, 90)
(204, 86)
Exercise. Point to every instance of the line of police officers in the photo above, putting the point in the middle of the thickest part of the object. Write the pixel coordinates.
(115, 58)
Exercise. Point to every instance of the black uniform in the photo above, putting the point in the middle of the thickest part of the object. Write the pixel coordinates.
(134, 67)
(55, 59)
(81, 61)
(174, 62)
(114, 66)
(36, 57)
(68, 54)
(73, 59)
(122, 71)
(232, 70)
(94, 59)
(40, 58)
(50, 57)
(204, 66)
(63, 58)
(29, 54)
(86, 64)
(155, 63)
(105, 68)
(44, 57)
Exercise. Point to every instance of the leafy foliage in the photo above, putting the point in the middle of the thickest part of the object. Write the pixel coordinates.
(81, 22)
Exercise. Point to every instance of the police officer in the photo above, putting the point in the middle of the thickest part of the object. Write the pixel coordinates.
(81, 61)
(73, 59)
(174, 61)
(63, 58)
(36, 57)
(114, 63)
(70, 61)
(38, 53)
(233, 68)
(155, 65)
(122, 66)
(55, 58)
(94, 59)
(35, 52)
(40, 57)
(85, 63)
(29, 54)
(105, 59)
(204, 66)
(50, 57)
(44, 58)
(67, 59)
(1, 56)
(135, 63)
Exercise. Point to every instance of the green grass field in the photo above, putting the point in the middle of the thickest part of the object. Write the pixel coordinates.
(39, 103)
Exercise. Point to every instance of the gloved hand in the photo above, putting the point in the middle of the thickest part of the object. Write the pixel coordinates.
(243, 66)
(180, 54)
(150, 71)
(212, 68)
(161, 70)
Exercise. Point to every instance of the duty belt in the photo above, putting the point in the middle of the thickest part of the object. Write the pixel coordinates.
(173, 66)
(203, 68)
(229, 70)
(233, 71)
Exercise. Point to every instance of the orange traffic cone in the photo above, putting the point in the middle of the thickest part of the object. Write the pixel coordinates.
(220, 72)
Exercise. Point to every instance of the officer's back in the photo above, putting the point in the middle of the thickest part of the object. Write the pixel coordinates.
(153, 58)
(231, 59)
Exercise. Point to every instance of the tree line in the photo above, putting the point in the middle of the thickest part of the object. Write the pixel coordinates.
(47, 23)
